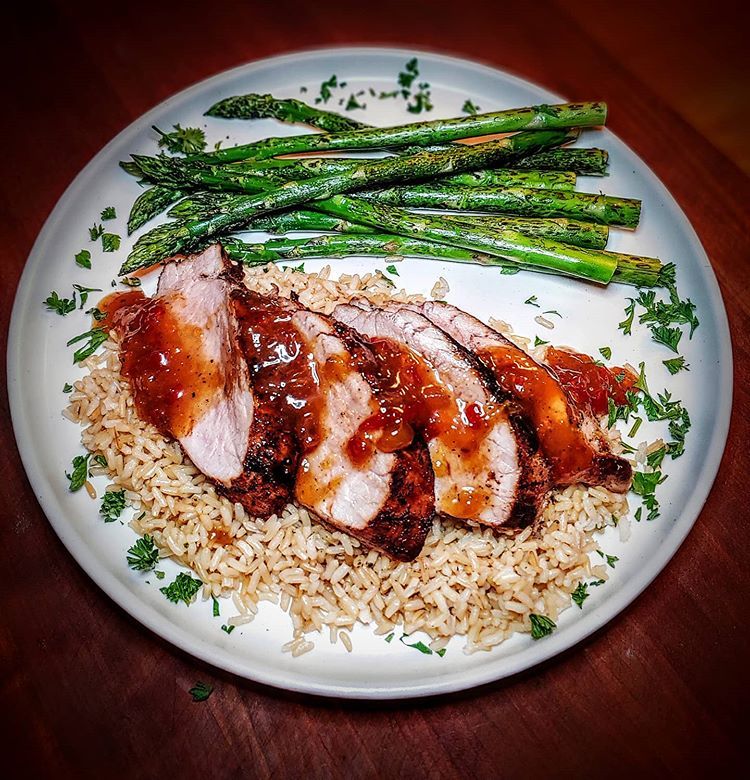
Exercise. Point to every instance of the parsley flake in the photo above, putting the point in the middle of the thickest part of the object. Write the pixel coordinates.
(60, 305)
(96, 337)
(392, 270)
(325, 89)
(470, 108)
(110, 242)
(227, 629)
(353, 103)
(143, 555)
(580, 594)
(531, 301)
(675, 365)
(80, 472)
(95, 232)
(215, 608)
(541, 626)
(130, 281)
(389, 638)
(84, 293)
(605, 352)
(83, 258)
(421, 646)
(539, 342)
(113, 502)
(200, 691)
(108, 213)
(185, 140)
(67, 388)
(183, 588)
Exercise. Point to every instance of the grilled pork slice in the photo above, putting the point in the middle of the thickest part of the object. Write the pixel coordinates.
(483, 469)
(571, 440)
(189, 378)
(315, 376)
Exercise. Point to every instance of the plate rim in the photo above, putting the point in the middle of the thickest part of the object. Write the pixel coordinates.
(218, 657)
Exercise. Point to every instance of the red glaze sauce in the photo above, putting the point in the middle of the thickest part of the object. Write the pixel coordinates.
(112, 303)
(284, 375)
(414, 399)
(163, 359)
(589, 385)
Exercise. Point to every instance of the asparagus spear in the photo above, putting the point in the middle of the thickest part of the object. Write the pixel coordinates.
(523, 201)
(255, 106)
(150, 203)
(388, 245)
(567, 231)
(593, 162)
(501, 177)
(545, 117)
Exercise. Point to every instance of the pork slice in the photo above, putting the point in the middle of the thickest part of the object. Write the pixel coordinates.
(387, 500)
(478, 473)
(570, 439)
(189, 377)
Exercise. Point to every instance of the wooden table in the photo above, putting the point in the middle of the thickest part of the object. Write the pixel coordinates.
(88, 692)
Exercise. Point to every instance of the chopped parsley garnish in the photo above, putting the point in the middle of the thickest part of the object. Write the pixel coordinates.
(160, 575)
(96, 314)
(392, 270)
(60, 305)
(421, 100)
(95, 232)
(80, 472)
(67, 388)
(597, 582)
(84, 293)
(407, 76)
(113, 502)
(110, 242)
(421, 646)
(626, 325)
(541, 626)
(96, 337)
(386, 95)
(553, 311)
(470, 108)
(655, 458)
(605, 352)
(644, 485)
(143, 555)
(353, 103)
(538, 342)
(611, 559)
(228, 629)
(674, 365)
(580, 594)
(325, 89)
(303, 89)
(531, 301)
(83, 258)
(108, 213)
(130, 281)
(389, 638)
(185, 140)
(215, 607)
(297, 269)
(183, 588)
(670, 337)
(200, 691)
(100, 460)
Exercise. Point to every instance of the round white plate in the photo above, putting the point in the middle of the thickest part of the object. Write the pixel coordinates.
(39, 364)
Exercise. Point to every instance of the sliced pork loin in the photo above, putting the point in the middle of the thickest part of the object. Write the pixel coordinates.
(189, 378)
(484, 468)
(571, 440)
(315, 375)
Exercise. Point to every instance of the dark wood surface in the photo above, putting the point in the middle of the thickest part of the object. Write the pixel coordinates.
(87, 692)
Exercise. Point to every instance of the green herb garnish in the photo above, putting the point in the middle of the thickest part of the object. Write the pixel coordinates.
(185, 140)
(353, 103)
(83, 258)
(60, 305)
(110, 242)
(108, 213)
(96, 337)
(228, 629)
(143, 555)
(392, 270)
(130, 281)
(626, 325)
(95, 231)
(580, 594)
(531, 301)
(183, 588)
(470, 108)
(325, 89)
(84, 293)
(538, 342)
(675, 365)
(605, 352)
(113, 502)
(67, 388)
(215, 608)
(80, 472)
(200, 691)
(541, 626)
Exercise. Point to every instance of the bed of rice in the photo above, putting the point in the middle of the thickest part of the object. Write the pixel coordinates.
(467, 581)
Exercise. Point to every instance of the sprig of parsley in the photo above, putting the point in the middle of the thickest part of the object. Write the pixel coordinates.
(95, 338)
(470, 108)
(108, 213)
(183, 588)
(95, 232)
(580, 594)
(675, 365)
(83, 259)
(143, 555)
(113, 503)
(184, 140)
(541, 626)
(110, 242)
(60, 305)
(80, 473)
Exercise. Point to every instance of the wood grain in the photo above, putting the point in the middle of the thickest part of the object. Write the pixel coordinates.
(87, 692)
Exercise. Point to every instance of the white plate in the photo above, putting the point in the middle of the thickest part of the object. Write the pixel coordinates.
(39, 364)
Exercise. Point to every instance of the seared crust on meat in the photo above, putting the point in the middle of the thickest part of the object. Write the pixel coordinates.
(265, 486)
